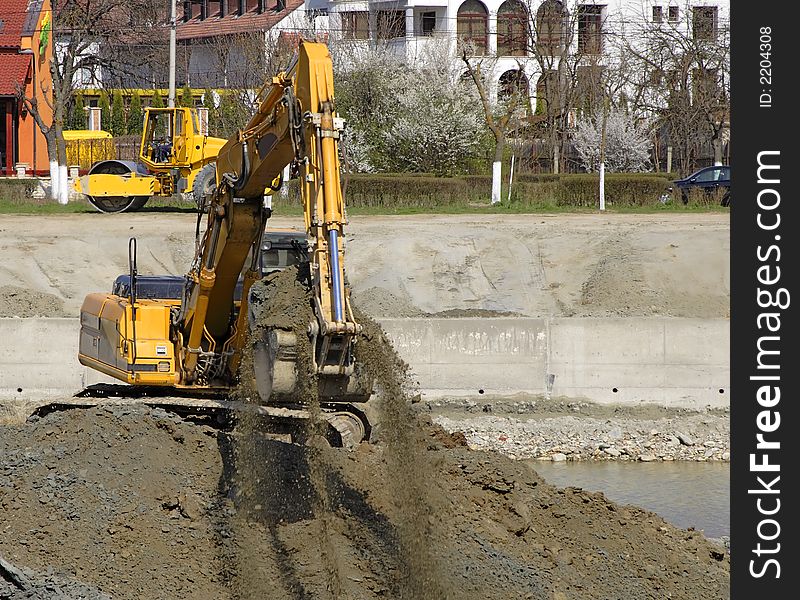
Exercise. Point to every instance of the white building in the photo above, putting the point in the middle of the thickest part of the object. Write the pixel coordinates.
(507, 36)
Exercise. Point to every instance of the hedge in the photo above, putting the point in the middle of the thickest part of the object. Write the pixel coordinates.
(424, 191)
(396, 191)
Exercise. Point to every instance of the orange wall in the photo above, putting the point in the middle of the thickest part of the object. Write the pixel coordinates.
(28, 130)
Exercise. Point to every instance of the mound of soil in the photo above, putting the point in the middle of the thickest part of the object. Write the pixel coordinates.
(20, 302)
(139, 503)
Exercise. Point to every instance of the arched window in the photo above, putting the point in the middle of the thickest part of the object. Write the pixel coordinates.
(548, 94)
(512, 29)
(551, 27)
(473, 25)
(511, 83)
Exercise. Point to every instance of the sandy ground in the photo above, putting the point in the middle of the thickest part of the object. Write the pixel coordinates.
(135, 503)
(534, 265)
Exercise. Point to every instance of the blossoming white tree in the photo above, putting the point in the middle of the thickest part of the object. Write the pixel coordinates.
(627, 145)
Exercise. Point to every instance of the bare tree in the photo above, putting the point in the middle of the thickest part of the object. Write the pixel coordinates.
(81, 29)
(500, 117)
(678, 71)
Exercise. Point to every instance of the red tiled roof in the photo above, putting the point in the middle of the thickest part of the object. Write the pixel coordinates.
(12, 14)
(13, 71)
(232, 24)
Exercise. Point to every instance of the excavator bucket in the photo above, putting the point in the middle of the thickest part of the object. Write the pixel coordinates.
(283, 377)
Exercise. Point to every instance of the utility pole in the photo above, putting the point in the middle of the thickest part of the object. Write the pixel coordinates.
(172, 52)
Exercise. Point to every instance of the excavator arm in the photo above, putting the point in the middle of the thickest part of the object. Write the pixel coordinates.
(296, 124)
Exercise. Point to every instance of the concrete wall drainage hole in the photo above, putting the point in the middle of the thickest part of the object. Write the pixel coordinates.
(615, 390)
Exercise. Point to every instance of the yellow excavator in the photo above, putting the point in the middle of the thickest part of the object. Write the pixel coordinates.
(189, 334)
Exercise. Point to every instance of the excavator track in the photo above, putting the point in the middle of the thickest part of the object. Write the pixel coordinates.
(345, 425)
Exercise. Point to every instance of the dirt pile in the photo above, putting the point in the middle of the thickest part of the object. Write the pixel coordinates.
(140, 504)
(20, 302)
(19, 584)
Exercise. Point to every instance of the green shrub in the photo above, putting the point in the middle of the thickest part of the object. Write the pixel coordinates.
(135, 114)
(17, 191)
(119, 125)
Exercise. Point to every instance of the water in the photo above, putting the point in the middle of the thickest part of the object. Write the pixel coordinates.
(687, 494)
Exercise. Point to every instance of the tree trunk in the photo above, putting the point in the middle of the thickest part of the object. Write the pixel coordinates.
(716, 144)
(52, 154)
(63, 176)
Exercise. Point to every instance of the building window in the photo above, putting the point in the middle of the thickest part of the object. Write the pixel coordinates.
(590, 29)
(588, 86)
(391, 24)
(428, 23)
(658, 14)
(513, 83)
(672, 14)
(704, 22)
(214, 8)
(551, 27)
(355, 25)
(548, 94)
(512, 29)
(656, 76)
(706, 87)
(472, 24)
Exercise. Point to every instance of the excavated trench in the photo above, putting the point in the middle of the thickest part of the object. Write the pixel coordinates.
(130, 502)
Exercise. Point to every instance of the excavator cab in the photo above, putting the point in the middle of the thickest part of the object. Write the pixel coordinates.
(281, 249)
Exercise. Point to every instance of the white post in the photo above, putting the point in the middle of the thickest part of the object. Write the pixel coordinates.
(669, 159)
(172, 52)
(285, 182)
(602, 186)
(510, 177)
(496, 175)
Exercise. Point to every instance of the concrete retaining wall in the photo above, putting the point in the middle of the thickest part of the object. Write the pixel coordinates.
(669, 361)
(39, 358)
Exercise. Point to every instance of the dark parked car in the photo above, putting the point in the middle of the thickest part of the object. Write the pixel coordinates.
(711, 180)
